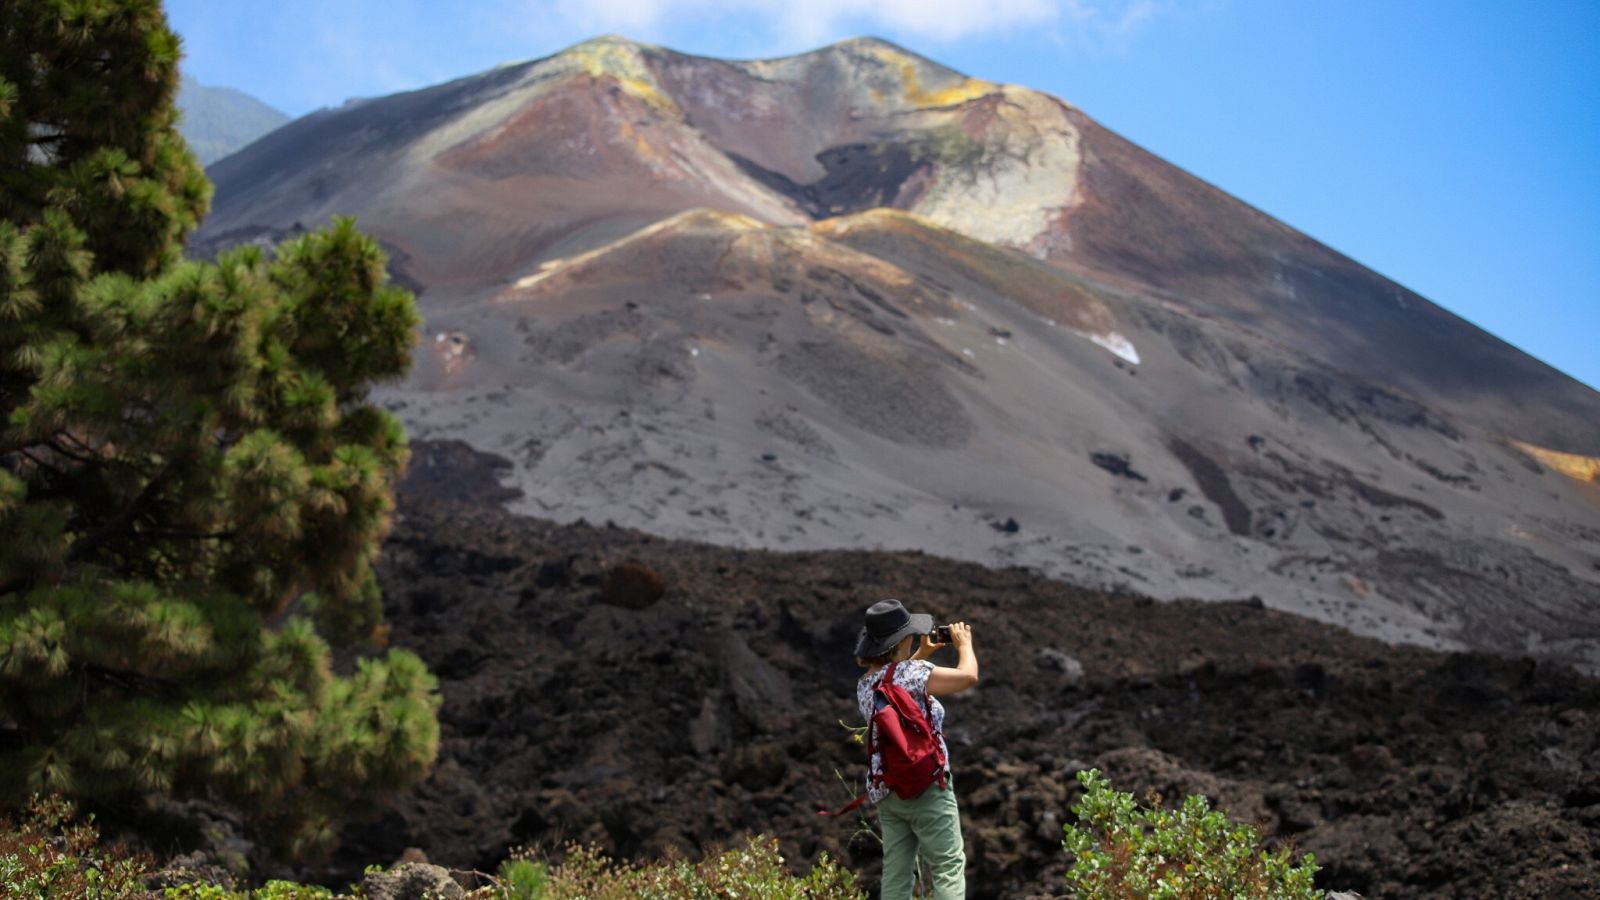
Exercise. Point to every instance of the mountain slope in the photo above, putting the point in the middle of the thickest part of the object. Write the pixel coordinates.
(217, 120)
(853, 298)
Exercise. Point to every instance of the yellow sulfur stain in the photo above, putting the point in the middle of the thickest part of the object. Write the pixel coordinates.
(1572, 465)
(689, 220)
(647, 92)
(622, 61)
(916, 95)
(883, 219)
(879, 217)
(716, 218)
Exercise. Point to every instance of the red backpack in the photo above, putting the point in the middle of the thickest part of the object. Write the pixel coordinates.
(901, 730)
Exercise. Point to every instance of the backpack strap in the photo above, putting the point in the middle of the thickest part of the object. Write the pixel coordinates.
(860, 799)
(936, 731)
(888, 674)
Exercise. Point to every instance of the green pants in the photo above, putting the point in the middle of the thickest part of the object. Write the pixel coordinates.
(930, 827)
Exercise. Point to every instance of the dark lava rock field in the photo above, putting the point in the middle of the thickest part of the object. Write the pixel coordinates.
(657, 697)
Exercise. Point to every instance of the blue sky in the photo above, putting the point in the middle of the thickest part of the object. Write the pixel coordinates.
(1452, 145)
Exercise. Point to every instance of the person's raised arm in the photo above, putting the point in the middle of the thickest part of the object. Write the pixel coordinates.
(944, 680)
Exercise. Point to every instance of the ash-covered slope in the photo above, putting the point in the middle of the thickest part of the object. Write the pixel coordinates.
(475, 178)
(852, 298)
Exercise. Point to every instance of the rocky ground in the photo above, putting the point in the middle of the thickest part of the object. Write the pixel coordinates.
(656, 697)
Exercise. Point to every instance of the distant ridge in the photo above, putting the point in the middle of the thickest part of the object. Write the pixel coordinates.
(219, 120)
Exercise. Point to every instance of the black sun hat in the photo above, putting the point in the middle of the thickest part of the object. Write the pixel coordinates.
(888, 622)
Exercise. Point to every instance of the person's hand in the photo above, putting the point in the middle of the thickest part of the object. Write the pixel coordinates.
(961, 636)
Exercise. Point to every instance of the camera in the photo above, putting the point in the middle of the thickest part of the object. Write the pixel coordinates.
(940, 634)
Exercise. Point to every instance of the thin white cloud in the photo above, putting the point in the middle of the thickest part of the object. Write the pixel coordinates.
(935, 20)
(792, 24)
(1112, 22)
(622, 16)
(321, 53)
(365, 54)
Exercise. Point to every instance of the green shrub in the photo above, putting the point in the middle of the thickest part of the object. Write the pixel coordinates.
(1127, 852)
(272, 890)
(49, 854)
(752, 872)
(523, 879)
(198, 891)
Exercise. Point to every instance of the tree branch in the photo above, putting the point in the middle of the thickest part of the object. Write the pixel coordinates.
(187, 535)
(27, 452)
(55, 445)
(131, 682)
(98, 538)
(79, 443)
(119, 523)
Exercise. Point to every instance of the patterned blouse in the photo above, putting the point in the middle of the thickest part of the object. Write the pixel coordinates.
(913, 676)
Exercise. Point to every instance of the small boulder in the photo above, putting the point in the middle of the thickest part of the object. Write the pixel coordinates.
(1052, 660)
(762, 695)
(1295, 814)
(708, 731)
(1310, 679)
(756, 766)
(1117, 464)
(1371, 757)
(191, 868)
(412, 881)
(632, 586)
(410, 855)
(554, 573)
(1200, 670)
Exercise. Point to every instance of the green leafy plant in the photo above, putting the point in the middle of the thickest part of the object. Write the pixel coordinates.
(289, 890)
(198, 892)
(1125, 851)
(523, 879)
(48, 853)
(272, 890)
(752, 872)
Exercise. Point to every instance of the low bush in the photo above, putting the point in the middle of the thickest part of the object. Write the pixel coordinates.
(523, 879)
(48, 853)
(272, 890)
(1122, 850)
(1125, 851)
(754, 871)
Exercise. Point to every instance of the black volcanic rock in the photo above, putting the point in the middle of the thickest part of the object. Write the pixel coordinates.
(714, 712)
(857, 177)
(454, 471)
(1116, 464)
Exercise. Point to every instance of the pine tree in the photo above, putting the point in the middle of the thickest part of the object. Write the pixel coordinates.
(193, 484)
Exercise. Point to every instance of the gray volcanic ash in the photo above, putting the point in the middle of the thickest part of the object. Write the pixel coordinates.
(855, 299)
